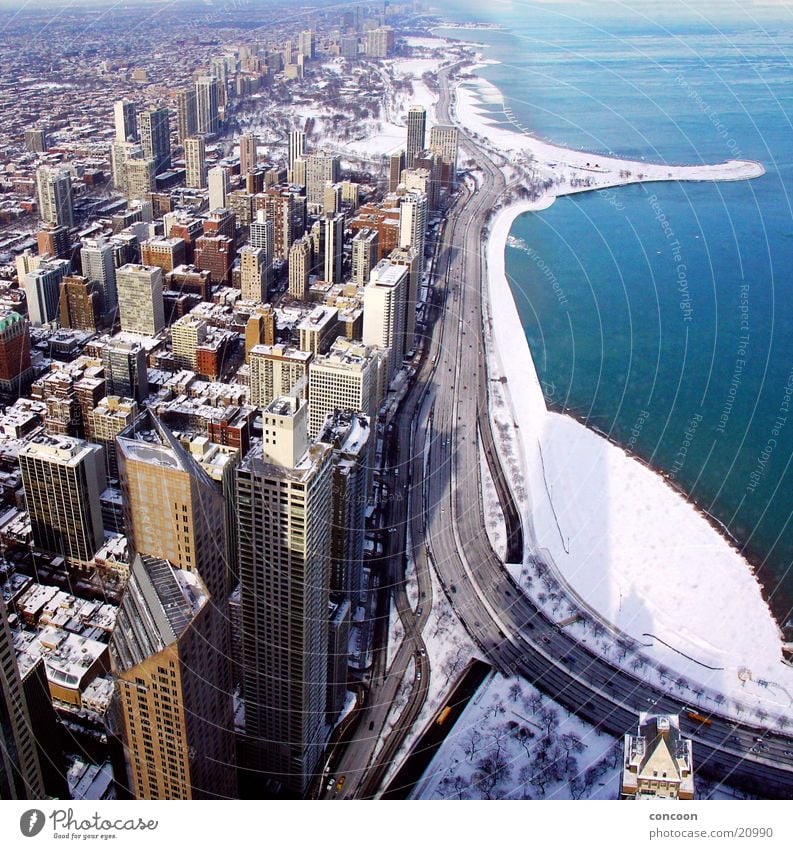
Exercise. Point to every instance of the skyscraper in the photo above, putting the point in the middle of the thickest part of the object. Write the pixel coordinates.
(79, 306)
(364, 255)
(195, 162)
(444, 144)
(155, 137)
(140, 301)
(277, 370)
(173, 685)
(218, 183)
(125, 369)
(96, 257)
(297, 146)
(247, 153)
(186, 114)
(334, 247)
(299, 267)
(283, 493)
(54, 187)
(306, 43)
(384, 312)
(15, 368)
(253, 273)
(321, 168)
(413, 214)
(417, 128)
(42, 289)
(20, 770)
(396, 165)
(124, 117)
(206, 93)
(63, 478)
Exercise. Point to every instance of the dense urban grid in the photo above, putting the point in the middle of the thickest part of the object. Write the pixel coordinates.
(218, 324)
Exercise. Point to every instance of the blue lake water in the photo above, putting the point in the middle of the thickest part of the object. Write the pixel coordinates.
(674, 335)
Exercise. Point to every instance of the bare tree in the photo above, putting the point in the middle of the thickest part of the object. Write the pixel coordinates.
(473, 743)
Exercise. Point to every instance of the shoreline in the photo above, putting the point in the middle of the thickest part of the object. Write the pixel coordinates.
(740, 595)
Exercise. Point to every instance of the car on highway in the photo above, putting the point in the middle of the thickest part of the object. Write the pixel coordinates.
(340, 783)
(331, 782)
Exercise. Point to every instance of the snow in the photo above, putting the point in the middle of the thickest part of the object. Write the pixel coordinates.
(631, 548)
(512, 743)
(494, 516)
(396, 633)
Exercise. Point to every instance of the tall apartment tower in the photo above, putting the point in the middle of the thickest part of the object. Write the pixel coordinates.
(80, 301)
(195, 162)
(186, 114)
(96, 257)
(247, 153)
(364, 255)
(54, 189)
(300, 260)
(155, 137)
(172, 685)
(396, 165)
(297, 146)
(175, 512)
(262, 235)
(125, 368)
(413, 216)
(346, 378)
(321, 168)
(410, 259)
(125, 123)
(42, 289)
(277, 370)
(63, 478)
(417, 130)
(20, 769)
(207, 101)
(253, 274)
(15, 368)
(187, 333)
(384, 312)
(334, 247)
(218, 184)
(140, 302)
(444, 143)
(306, 43)
(283, 493)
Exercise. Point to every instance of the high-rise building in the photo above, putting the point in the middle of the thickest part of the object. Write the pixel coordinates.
(175, 512)
(20, 769)
(416, 135)
(140, 302)
(54, 187)
(125, 368)
(54, 241)
(384, 312)
(35, 140)
(165, 253)
(124, 117)
(140, 173)
(396, 165)
(207, 102)
(218, 183)
(63, 478)
(173, 682)
(306, 44)
(409, 258)
(106, 421)
(215, 254)
(277, 370)
(348, 432)
(253, 274)
(364, 255)
(262, 235)
(259, 329)
(247, 153)
(186, 114)
(346, 378)
(413, 216)
(15, 368)
(80, 303)
(283, 495)
(444, 141)
(187, 333)
(299, 267)
(42, 290)
(96, 257)
(195, 162)
(155, 137)
(319, 329)
(321, 168)
(380, 42)
(334, 247)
